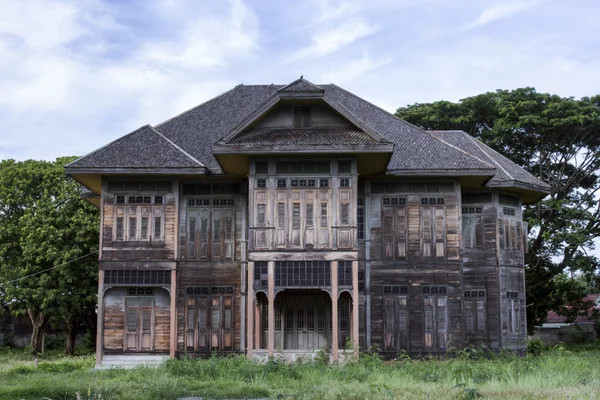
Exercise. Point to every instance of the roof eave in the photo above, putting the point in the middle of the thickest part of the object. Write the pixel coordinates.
(136, 171)
(295, 149)
(488, 172)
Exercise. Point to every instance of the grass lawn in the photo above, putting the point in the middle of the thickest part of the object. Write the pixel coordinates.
(560, 373)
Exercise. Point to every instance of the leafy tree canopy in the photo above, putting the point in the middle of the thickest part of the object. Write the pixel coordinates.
(558, 140)
(44, 224)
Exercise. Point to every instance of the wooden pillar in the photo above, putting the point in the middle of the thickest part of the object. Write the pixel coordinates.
(355, 332)
(250, 310)
(100, 316)
(334, 313)
(271, 334)
(173, 339)
(257, 326)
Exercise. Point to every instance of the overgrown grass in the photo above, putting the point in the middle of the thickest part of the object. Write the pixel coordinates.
(572, 372)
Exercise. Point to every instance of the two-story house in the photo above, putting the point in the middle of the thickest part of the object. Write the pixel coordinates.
(279, 220)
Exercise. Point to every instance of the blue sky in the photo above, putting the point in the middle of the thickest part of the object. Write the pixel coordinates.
(75, 75)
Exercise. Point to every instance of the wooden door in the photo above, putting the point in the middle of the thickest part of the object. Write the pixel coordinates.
(139, 329)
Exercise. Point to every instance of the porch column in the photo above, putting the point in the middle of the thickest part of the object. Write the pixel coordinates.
(355, 332)
(250, 310)
(100, 316)
(334, 312)
(173, 338)
(258, 336)
(271, 335)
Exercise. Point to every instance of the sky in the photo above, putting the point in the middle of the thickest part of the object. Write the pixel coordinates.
(75, 75)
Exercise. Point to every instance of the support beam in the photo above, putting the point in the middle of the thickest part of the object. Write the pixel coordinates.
(334, 313)
(173, 338)
(100, 324)
(271, 334)
(355, 305)
(250, 310)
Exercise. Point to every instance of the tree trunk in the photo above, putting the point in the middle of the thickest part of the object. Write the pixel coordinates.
(71, 335)
(39, 322)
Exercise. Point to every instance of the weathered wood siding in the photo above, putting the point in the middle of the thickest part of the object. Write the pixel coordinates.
(282, 116)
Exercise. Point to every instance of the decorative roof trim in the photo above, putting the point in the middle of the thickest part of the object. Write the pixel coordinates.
(135, 171)
(489, 172)
(287, 87)
(220, 149)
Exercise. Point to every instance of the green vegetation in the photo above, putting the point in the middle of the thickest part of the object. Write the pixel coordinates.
(572, 372)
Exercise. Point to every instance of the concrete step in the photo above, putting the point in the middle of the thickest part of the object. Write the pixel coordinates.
(131, 360)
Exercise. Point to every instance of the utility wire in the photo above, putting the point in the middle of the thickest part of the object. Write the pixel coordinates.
(48, 269)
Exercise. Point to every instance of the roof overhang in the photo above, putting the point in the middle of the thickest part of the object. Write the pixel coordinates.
(528, 193)
(371, 159)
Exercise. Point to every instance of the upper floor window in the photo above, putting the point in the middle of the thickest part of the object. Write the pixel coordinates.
(139, 186)
(302, 116)
(414, 187)
(139, 218)
(302, 167)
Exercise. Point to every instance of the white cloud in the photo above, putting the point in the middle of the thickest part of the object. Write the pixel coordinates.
(502, 10)
(331, 39)
(353, 69)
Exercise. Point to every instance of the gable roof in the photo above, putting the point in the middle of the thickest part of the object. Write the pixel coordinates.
(144, 148)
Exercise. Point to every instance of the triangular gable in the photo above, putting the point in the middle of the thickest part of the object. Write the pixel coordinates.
(143, 148)
(287, 92)
(301, 85)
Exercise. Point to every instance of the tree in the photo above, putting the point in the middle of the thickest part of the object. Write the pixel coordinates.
(558, 140)
(44, 226)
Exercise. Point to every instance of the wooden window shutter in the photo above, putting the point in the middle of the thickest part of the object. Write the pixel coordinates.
(217, 233)
(203, 236)
(227, 323)
(190, 323)
(388, 233)
(442, 322)
(388, 328)
(481, 317)
(400, 232)
(479, 232)
(192, 237)
(324, 217)
(119, 223)
(202, 324)
(281, 215)
(158, 223)
(428, 331)
(440, 232)
(469, 320)
(261, 211)
(132, 223)
(144, 223)
(228, 242)
(426, 231)
(309, 215)
(507, 233)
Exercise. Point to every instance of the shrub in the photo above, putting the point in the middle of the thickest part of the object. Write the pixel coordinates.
(535, 347)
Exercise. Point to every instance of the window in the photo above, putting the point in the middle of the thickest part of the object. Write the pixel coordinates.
(512, 312)
(324, 219)
(302, 116)
(472, 227)
(435, 321)
(302, 273)
(360, 219)
(140, 291)
(261, 183)
(395, 317)
(139, 186)
(138, 218)
(394, 228)
(344, 182)
(281, 183)
(302, 167)
(309, 215)
(344, 167)
(345, 213)
(345, 273)
(324, 182)
(433, 227)
(210, 229)
(209, 318)
(410, 187)
(137, 277)
(475, 311)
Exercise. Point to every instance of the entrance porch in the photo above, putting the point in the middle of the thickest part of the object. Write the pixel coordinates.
(297, 322)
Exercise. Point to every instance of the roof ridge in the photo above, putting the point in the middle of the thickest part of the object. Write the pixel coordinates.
(176, 146)
(199, 105)
(458, 148)
(299, 80)
(106, 145)
(412, 125)
(478, 143)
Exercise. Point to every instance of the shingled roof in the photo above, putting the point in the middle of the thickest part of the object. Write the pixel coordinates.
(507, 172)
(186, 140)
(143, 148)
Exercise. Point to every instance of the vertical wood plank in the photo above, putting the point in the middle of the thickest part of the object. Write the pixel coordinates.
(271, 284)
(100, 332)
(250, 310)
(334, 312)
(173, 327)
(355, 305)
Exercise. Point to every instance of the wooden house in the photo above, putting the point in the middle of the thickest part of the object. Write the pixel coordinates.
(282, 219)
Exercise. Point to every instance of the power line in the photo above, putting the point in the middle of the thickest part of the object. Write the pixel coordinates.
(48, 269)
